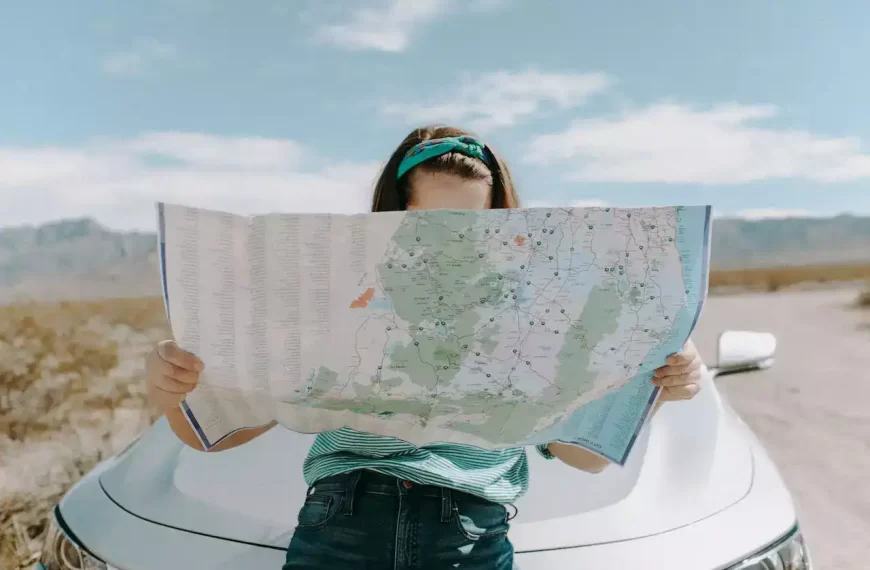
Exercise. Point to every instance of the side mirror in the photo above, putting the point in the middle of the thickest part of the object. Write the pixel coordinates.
(742, 351)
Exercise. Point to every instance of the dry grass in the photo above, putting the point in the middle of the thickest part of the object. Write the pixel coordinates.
(70, 395)
(863, 300)
(783, 277)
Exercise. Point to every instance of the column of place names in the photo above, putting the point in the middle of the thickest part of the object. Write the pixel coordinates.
(222, 289)
(359, 244)
(188, 278)
(258, 330)
(285, 299)
(317, 262)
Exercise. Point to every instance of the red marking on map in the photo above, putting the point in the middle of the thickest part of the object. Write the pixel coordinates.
(363, 300)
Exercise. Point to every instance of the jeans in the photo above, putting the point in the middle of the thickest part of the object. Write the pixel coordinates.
(364, 520)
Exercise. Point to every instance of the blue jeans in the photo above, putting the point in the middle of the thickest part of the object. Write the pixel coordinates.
(364, 520)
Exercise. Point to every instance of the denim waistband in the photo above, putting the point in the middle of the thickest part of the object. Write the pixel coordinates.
(364, 481)
(367, 481)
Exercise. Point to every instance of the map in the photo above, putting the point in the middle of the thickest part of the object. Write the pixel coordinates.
(493, 328)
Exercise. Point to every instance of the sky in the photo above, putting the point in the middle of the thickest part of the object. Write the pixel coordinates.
(756, 107)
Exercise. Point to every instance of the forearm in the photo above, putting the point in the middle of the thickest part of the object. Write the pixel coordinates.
(181, 427)
(577, 457)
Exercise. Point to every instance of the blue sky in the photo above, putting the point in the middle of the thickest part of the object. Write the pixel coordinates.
(758, 108)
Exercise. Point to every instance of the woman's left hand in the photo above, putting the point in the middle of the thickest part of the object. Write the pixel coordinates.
(680, 377)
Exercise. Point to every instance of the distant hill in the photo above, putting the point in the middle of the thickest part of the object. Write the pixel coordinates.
(742, 244)
(80, 259)
(76, 259)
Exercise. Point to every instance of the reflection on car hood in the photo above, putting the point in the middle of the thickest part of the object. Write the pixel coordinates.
(691, 462)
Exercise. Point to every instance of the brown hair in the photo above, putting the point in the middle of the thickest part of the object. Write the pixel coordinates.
(392, 194)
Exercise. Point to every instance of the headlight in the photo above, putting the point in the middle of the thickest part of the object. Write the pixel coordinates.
(62, 552)
(789, 553)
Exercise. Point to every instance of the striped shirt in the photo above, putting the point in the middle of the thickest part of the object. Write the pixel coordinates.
(501, 475)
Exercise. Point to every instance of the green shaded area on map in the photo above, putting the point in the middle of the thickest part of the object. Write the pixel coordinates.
(515, 421)
(439, 293)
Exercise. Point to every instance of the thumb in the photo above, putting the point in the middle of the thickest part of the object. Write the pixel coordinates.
(165, 347)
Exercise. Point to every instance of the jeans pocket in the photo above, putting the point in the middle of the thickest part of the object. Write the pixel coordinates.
(476, 519)
(318, 510)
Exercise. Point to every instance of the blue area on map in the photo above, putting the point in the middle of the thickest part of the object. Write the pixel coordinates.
(610, 426)
(380, 303)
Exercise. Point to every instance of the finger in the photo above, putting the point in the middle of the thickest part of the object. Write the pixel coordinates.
(681, 358)
(178, 373)
(671, 381)
(686, 392)
(171, 352)
(678, 380)
(678, 370)
(173, 386)
(665, 396)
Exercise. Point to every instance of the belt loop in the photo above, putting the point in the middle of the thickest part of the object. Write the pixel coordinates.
(446, 504)
(352, 482)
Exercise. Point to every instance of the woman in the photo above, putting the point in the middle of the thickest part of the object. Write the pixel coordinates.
(378, 502)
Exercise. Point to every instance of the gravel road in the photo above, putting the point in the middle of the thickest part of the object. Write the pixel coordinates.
(811, 409)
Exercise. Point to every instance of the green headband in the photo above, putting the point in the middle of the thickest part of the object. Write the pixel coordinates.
(469, 146)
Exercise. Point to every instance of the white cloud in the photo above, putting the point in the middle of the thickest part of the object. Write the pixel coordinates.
(676, 143)
(139, 58)
(387, 25)
(118, 181)
(220, 152)
(501, 98)
(772, 214)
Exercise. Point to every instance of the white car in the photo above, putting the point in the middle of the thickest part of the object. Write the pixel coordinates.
(699, 492)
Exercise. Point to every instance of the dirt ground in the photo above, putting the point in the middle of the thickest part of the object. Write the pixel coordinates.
(811, 409)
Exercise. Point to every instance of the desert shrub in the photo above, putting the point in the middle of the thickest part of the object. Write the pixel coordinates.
(777, 278)
(70, 395)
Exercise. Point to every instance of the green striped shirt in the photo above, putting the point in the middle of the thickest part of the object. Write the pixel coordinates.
(501, 475)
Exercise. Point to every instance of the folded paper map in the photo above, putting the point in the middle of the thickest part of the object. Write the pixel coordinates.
(492, 328)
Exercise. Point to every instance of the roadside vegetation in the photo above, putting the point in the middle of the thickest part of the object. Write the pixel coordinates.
(775, 279)
(70, 395)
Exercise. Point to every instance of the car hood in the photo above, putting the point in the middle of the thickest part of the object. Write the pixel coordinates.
(691, 462)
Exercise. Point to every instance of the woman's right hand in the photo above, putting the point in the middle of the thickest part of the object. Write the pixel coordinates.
(170, 374)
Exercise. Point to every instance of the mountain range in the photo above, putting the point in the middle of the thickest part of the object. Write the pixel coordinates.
(81, 259)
